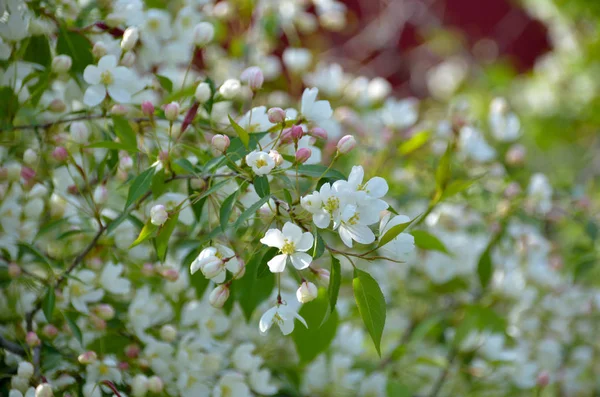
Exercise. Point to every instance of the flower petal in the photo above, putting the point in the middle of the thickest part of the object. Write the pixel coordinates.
(287, 326)
(219, 278)
(292, 232)
(273, 238)
(94, 95)
(356, 176)
(91, 74)
(119, 94)
(346, 236)
(107, 62)
(267, 320)
(277, 264)
(301, 260)
(377, 187)
(322, 219)
(306, 241)
(361, 234)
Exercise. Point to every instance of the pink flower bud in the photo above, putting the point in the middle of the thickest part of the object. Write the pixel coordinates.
(220, 142)
(276, 115)
(57, 106)
(296, 133)
(253, 76)
(132, 351)
(219, 296)
(128, 59)
(14, 270)
(119, 110)
(105, 311)
(302, 155)
(27, 173)
(306, 292)
(87, 357)
(286, 136)
(516, 155)
(148, 269)
(512, 190)
(170, 274)
(543, 379)
(98, 323)
(123, 366)
(147, 108)
(324, 276)
(50, 331)
(276, 156)
(60, 154)
(32, 339)
(318, 132)
(346, 144)
(172, 111)
(155, 384)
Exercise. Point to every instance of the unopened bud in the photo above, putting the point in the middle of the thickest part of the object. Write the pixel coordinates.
(323, 276)
(30, 156)
(512, 190)
(130, 38)
(132, 351)
(50, 331)
(172, 111)
(170, 274)
(543, 379)
(32, 339)
(27, 173)
(14, 270)
(147, 108)
(155, 385)
(346, 144)
(318, 132)
(296, 133)
(230, 89)
(97, 322)
(219, 296)
(253, 76)
(516, 155)
(203, 92)
(128, 59)
(79, 132)
(148, 269)
(119, 110)
(197, 183)
(44, 390)
(276, 115)
(61, 64)
(105, 311)
(87, 358)
(276, 156)
(302, 155)
(100, 194)
(99, 49)
(125, 163)
(203, 34)
(57, 105)
(306, 292)
(168, 333)
(220, 142)
(139, 385)
(25, 370)
(158, 215)
(60, 154)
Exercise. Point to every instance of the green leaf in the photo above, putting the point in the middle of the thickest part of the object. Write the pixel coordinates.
(111, 343)
(479, 318)
(242, 133)
(319, 247)
(251, 290)
(165, 83)
(442, 173)
(9, 103)
(77, 46)
(262, 269)
(164, 234)
(415, 142)
(261, 185)
(28, 248)
(74, 328)
(456, 187)
(226, 207)
(317, 170)
(125, 133)
(50, 226)
(371, 305)
(397, 389)
(333, 290)
(394, 231)
(312, 341)
(38, 51)
(428, 241)
(186, 166)
(140, 186)
(158, 186)
(48, 303)
(148, 231)
(485, 268)
(250, 212)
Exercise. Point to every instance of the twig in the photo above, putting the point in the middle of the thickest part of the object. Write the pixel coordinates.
(12, 347)
(442, 378)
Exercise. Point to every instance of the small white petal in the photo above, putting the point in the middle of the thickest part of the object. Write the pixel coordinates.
(107, 62)
(119, 94)
(301, 260)
(273, 238)
(306, 242)
(94, 95)
(322, 220)
(91, 75)
(267, 320)
(377, 187)
(292, 232)
(277, 264)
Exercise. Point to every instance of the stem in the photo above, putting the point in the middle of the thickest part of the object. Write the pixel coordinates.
(442, 378)
(12, 347)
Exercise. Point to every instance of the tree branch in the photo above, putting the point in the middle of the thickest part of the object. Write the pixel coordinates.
(12, 347)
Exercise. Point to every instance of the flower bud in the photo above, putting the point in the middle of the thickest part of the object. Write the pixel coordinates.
(14, 270)
(197, 183)
(119, 110)
(105, 311)
(277, 157)
(158, 215)
(318, 132)
(60, 154)
(230, 89)
(132, 351)
(148, 269)
(516, 155)
(306, 292)
(172, 111)
(32, 339)
(170, 274)
(61, 64)
(212, 267)
(57, 105)
(203, 92)
(276, 115)
(97, 322)
(128, 59)
(79, 132)
(27, 173)
(50, 331)
(43, 390)
(30, 157)
(148, 108)
(123, 366)
(203, 34)
(219, 296)
(220, 142)
(302, 155)
(346, 144)
(99, 49)
(100, 194)
(130, 38)
(139, 385)
(296, 133)
(223, 10)
(543, 379)
(25, 370)
(155, 384)
(125, 163)
(253, 76)
(168, 333)
(323, 275)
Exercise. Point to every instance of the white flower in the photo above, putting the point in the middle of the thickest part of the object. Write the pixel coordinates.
(231, 384)
(539, 193)
(292, 243)
(326, 205)
(400, 245)
(111, 279)
(157, 25)
(354, 226)
(260, 382)
(5, 50)
(104, 370)
(158, 215)
(473, 144)
(243, 359)
(281, 315)
(505, 125)
(81, 291)
(315, 110)
(230, 88)
(214, 261)
(15, 27)
(296, 59)
(399, 114)
(306, 292)
(261, 162)
(375, 188)
(109, 78)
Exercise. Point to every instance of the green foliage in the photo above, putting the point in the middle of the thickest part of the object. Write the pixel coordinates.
(164, 234)
(139, 186)
(428, 241)
(254, 288)
(77, 46)
(371, 305)
(242, 133)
